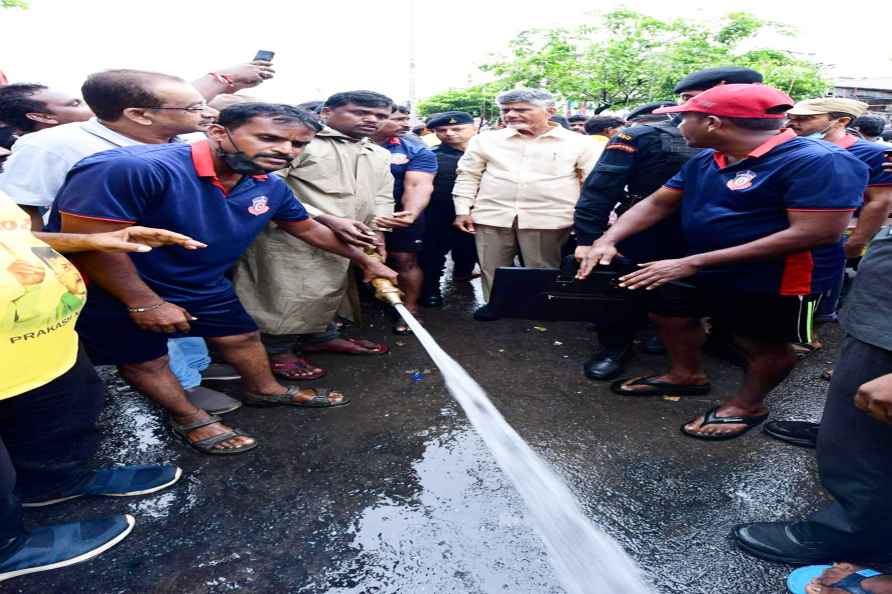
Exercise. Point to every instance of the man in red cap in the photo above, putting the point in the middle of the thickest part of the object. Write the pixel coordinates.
(762, 214)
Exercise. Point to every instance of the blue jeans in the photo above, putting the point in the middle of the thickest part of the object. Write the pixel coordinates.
(47, 437)
(188, 358)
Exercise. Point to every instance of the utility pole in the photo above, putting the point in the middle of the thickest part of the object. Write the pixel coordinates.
(412, 57)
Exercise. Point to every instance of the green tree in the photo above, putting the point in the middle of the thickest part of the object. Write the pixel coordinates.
(13, 4)
(478, 100)
(628, 58)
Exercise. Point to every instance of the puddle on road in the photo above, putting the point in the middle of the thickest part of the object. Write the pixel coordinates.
(465, 532)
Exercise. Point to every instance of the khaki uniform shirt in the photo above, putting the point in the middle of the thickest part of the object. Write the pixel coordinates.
(288, 286)
(505, 177)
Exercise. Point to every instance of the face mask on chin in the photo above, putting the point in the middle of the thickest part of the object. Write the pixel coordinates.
(238, 161)
(819, 135)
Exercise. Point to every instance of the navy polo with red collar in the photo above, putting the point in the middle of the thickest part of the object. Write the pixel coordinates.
(175, 187)
(726, 205)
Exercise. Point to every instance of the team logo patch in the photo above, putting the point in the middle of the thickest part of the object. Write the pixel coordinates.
(258, 206)
(398, 159)
(742, 180)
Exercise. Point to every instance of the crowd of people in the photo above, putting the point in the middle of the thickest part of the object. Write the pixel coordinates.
(225, 238)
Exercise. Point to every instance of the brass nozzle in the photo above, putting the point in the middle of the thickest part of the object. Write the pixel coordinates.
(384, 289)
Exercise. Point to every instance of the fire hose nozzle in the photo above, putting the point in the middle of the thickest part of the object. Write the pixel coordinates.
(384, 289)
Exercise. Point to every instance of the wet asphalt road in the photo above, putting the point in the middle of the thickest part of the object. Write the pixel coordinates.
(395, 494)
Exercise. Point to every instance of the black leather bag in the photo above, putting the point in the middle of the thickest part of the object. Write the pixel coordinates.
(556, 294)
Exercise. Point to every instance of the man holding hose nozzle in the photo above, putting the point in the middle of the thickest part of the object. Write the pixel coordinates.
(762, 212)
(217, 191)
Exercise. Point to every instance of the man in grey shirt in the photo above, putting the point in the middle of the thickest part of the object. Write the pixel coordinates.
(855, 441)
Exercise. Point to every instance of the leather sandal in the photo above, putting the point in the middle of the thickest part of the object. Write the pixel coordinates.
(320, 399)
(206, 445)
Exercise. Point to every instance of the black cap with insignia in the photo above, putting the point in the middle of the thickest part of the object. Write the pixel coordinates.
(703, 80)
(449, 118)
(647, 109)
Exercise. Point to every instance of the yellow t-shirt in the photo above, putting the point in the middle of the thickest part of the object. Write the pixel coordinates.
(41, 294)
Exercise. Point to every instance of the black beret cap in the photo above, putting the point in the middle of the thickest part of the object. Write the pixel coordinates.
(647, 109)
(449, 118)
(711, 77)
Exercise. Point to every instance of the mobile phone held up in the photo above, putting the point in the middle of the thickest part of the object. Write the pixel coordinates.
(264, 56)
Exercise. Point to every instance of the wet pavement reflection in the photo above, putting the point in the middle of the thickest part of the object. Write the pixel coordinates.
(395, 494)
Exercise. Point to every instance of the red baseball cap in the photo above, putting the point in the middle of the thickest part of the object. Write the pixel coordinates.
(737, 101)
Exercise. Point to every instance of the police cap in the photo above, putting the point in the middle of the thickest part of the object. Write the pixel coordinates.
(449, 118)
(711, 77)
(647, 109)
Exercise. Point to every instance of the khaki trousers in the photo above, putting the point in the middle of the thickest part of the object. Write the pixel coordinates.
(497, 246)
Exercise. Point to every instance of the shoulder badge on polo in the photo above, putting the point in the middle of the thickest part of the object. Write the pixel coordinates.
(742, 180)
(398, 158)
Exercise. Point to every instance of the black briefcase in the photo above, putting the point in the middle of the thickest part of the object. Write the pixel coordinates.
(556, 294)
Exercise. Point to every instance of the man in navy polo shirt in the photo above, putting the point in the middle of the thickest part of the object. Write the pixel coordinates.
(413, 166)
(218, 190)
(762, 215)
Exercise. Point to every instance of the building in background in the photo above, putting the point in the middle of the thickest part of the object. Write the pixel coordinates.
(876, 92)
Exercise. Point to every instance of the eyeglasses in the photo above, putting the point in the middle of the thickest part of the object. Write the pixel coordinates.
(190, 109)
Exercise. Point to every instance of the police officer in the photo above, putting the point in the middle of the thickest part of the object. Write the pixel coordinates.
(454, 129)
(635, 163)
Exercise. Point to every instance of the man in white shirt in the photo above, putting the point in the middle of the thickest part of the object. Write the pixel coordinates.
(131, 107)
(517, 187)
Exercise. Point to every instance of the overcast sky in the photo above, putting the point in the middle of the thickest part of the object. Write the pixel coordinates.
(327, 46)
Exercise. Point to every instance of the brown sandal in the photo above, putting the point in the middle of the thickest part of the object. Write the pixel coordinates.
(320, 399)
(206, 445)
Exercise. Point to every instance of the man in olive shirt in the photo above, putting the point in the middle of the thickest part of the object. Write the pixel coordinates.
(294, 291)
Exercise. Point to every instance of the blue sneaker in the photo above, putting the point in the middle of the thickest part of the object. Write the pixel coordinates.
(62, 545)
(123, 481)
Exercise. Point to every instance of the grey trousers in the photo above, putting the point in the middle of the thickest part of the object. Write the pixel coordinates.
(855, 451)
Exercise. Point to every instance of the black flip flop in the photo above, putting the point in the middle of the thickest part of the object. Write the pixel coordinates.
(710, 418)
(658, 388)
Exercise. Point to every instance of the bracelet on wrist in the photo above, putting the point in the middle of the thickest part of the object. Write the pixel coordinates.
(223, 79)
(145, 308)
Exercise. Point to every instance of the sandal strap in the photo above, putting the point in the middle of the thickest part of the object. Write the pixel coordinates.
(852, 583)
(711, 418)
(196, 424)
(209, 442)
(287, 397)
(321, 396)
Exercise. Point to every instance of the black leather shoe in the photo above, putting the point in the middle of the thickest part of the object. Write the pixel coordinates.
(485, 314)
(803, 543)
(435, 300)
(801, 433)
(653, 346)
(604, 365)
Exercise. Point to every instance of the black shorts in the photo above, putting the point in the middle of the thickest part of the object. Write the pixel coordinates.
(112, 338)
(760, 316)
(409, 239)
